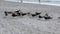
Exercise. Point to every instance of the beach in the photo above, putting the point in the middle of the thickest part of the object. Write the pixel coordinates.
(27, 25)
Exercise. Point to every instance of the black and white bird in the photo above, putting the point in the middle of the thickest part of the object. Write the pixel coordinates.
(18, 13)
(17, 10)
(37, 13)
(23, 14)
(47, 17)
(33, 15)
(14, 15)
(5, 13)
(40, 16)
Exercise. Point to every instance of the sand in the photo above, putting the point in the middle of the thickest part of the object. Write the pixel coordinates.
(26, 24)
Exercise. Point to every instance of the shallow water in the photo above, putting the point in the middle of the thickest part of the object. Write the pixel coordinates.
(44, 2)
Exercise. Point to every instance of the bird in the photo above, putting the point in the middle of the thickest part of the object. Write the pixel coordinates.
(17, 13)
(17, 10)
(5, 13)
(28, 13)
(40, 16)
(58, 17)
(33, 15)
(47, 16)
(37, 13)
(14, 15)
(23, 14)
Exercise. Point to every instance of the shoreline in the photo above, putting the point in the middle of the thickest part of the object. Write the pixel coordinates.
(42, 3)
(26, 25)
(29, 7)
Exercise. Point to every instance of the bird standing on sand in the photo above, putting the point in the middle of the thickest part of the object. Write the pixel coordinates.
(47, 17)
(33, 15)
(5, 13)
(37, 13)
(23, 14)
(14, 15)
(40, 16)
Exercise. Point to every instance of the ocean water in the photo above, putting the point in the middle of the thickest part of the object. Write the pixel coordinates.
(45, 2)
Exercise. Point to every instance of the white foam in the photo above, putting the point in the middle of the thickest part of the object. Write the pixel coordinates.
(12, 0)
(44, 3)
(50, 4)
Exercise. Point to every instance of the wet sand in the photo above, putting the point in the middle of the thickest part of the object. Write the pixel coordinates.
(26, 25)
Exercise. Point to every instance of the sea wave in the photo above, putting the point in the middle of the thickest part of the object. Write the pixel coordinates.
(44, 3)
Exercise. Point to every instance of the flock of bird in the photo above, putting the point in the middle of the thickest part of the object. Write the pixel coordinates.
(19, 13)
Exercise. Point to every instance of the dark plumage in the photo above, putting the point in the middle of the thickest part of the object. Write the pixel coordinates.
(58, 17)
(28, 13)
(9, 12)
(14, 15)
(18, 14)
(23, 14)
(33, 15)
(16, 11)
(40, 16)
(48, 17)
(37, 13)
(5, 13)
